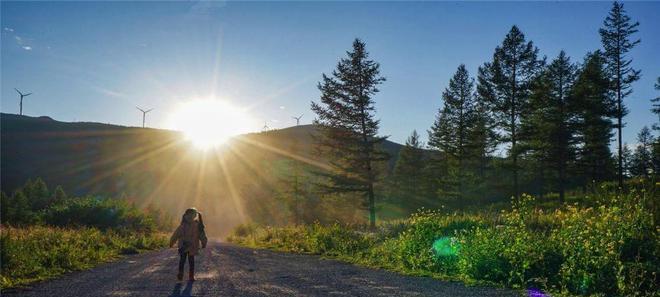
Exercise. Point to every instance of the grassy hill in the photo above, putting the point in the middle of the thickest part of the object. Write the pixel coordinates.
(151, 166)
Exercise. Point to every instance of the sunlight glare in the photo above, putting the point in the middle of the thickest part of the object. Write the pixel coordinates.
(209, 123)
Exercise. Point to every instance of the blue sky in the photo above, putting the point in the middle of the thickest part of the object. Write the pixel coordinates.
(94, 61)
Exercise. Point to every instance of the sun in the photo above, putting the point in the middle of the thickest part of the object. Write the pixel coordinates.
(209, 123)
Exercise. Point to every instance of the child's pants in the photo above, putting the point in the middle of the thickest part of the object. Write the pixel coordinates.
(191, 262)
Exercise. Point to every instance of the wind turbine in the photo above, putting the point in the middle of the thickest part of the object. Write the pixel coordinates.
(21, 104)
(144, 114)
(298, 119)
(265, 127)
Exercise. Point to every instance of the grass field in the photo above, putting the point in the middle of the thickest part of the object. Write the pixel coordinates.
(608, 248)
(36, 253)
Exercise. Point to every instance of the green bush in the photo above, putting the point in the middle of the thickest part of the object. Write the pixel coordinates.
(35, 253)
(609, 249)
(98, 213)
(516, 253)
(34, 204)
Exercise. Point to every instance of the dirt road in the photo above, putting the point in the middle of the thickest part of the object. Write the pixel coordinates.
(228, 270)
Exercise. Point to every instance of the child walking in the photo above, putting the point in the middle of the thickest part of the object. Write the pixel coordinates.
(189, 234)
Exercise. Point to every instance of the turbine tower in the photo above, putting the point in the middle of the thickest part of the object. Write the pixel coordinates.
(20, 112)
(144, 114)
(298, 119)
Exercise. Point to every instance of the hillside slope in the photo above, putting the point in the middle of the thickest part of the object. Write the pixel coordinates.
(153, 166)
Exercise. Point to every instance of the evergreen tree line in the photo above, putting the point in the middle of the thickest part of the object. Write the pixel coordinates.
(35, 204)
(523, 124)
(553, 120)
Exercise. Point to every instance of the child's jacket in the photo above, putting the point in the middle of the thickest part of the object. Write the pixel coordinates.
(189, 232)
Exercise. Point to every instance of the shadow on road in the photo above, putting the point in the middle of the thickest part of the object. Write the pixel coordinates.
(177, 292)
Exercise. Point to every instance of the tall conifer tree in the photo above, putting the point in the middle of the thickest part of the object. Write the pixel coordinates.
(641, 163)
(656, 105)
(595, 112)
(548, 129)
(409, 171)
(348, 128)
(506, 83)
(616, 36)
(452, 135)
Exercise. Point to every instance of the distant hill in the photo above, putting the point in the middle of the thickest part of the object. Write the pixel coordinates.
(150, 166)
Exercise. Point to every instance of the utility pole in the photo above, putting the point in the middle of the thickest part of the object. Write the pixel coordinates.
(144, 114)
(20, 112)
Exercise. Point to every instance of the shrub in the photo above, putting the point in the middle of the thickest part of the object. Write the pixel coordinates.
(35, 253)
(609, 248)
(516, 253)
(99, 213)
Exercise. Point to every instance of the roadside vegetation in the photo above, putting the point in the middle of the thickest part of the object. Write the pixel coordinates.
(45, 234)
(606, 245)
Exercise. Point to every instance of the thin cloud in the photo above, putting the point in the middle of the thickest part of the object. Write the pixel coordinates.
(20, 41)
(109, 92)
(9, 29)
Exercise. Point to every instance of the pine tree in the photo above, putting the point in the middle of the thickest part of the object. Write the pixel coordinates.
(4, 207)
(482, 143)
(292, 191)
(58, 195)
(506, 83)
(616, 35)
(656, 127)
(452, 135)
(19, 209)
(595, 109)
(349, 131)
(627, 157)
(408, 171)
(548, 129)
(656, 105)
(37, 194)
(642, 159)
(440, 165)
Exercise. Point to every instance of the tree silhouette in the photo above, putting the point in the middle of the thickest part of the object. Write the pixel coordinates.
(616, 36)
(348, 128)
(506, 83)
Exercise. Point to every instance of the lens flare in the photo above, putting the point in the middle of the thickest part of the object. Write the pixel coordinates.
(445, 246)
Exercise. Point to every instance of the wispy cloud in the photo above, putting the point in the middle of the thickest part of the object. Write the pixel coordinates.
(109, 92)
(20, 41)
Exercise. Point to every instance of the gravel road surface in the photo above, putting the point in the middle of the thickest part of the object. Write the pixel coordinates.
(228, 270)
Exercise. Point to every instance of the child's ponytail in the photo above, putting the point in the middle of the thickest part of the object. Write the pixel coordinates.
(201, 222)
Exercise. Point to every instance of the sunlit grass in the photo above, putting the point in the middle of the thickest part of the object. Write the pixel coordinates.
(609, 249)
(36, 253)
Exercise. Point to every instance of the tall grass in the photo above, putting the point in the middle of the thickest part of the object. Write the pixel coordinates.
(610, 248)
(35, 253)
